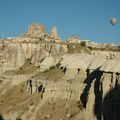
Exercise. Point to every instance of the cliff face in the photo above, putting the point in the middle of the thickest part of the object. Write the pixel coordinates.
(35, 45)
(79, 78)
(15, 54)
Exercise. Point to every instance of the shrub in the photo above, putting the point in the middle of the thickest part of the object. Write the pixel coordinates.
(83, 43)
(52, 67)
(58, 64)
(1, 81)
(18, 118)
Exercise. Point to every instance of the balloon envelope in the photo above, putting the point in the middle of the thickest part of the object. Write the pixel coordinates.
(113, 21)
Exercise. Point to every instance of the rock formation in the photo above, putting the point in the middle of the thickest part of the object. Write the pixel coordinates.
(74, 39)
(36, 30)
(102, 77)
(16, 51)
(54, 34)
(71, 72)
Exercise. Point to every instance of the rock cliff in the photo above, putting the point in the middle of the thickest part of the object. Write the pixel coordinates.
(80, 82)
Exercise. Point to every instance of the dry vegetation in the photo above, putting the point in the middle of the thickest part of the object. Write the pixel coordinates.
(52, 74)
(76, 47)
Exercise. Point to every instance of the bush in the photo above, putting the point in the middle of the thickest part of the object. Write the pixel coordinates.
(58, 64)
(52, 67)
(18, 118)
(83, 43)
(79, 104)
(1, 81)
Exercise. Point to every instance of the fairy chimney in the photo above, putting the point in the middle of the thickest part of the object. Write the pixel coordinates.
(54, 32)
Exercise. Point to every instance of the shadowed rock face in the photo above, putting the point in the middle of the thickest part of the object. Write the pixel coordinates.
(1, 118)
(101, 96)
(110, 105)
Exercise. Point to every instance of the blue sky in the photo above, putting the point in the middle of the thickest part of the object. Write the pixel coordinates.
(88, 19)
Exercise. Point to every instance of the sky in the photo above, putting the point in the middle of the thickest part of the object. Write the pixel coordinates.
(89, 19)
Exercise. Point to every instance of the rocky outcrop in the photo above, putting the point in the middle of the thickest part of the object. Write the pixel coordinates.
(13, 57)
(15, 54)
(92, 79)
(36, 30)
(54, 34)
(102, 77)
(35, 45)
(47, 55)
(107, 54)
(74, 39)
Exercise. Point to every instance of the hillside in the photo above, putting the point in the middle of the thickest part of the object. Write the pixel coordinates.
(76, 77)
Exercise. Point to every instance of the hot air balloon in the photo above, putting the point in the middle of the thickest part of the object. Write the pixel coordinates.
(113, 21)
